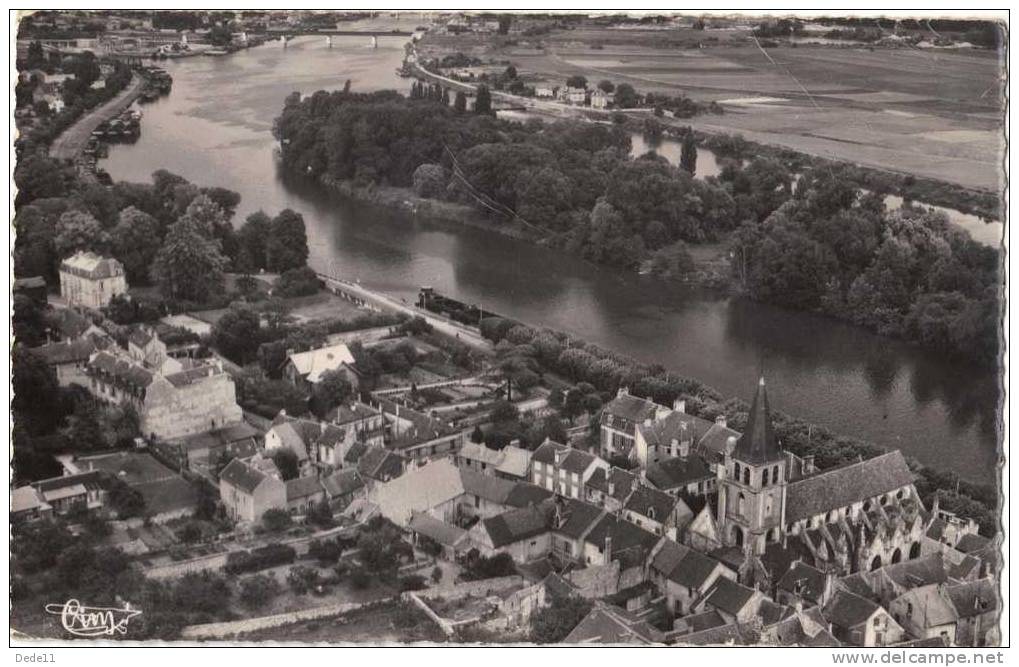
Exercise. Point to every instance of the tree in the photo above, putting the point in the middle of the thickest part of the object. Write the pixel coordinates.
(460, 102)
(483, 101)
(136, 242)
(626, 96)
(505, 21)
(287, 244)
(189, 265)
(577, 81)
(606, 86)
(276, 520)
(219, 35)
(36, 399)
(125, 501)
(302, 281)
(510, 72)
(258, 590)
(38, 176)
(252, 239)
(552, 624)
(287, 463)
(430, 181)
(332, 389)
(236, 335)
(688, 154)
(79, 231)
(477, 435)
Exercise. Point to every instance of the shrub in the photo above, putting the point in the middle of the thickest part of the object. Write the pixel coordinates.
(276, 520)
(258, 590)
(297, 282)
(414, 582)
(360, 579)
(302, 579)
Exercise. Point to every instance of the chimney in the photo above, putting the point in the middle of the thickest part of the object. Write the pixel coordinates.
(608, 549)
(679, 405)
(721, 421)
(730, 444)
(674, 447)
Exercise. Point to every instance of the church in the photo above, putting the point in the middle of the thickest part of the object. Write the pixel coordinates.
(774, 508)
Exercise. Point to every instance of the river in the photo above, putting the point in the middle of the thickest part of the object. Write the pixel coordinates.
(215, 129)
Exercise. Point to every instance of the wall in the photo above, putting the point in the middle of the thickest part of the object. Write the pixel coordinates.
(172, 412)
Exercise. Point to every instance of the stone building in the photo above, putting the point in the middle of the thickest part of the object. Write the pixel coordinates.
(197, 399)
(90, 280)
(248, 492)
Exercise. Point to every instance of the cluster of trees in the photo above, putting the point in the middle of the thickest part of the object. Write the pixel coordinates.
(908, 273)
(169, 232)
(574, 181)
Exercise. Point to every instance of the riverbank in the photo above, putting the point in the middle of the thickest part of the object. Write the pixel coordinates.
(71, 142)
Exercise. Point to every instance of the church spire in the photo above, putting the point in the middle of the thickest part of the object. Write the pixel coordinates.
(758, 444)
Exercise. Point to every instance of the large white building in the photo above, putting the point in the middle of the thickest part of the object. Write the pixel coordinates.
(90, 280)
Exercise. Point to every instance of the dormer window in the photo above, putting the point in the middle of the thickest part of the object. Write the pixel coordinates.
(651, 513)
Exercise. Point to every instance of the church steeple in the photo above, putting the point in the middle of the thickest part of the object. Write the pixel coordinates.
(757, 444)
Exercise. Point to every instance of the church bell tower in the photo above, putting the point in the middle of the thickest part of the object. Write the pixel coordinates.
(752, 483)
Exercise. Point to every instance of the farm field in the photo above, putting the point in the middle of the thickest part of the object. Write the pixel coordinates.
(930, 112)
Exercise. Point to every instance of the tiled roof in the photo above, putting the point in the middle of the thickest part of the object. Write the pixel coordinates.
(26, 498)
(929, 569)
(804, 581)
(67, 352)
(352, 412)
(973, 598)
(577, 461)
(847, 610)
(678, 472)
(242, 476)
(420, 489)
(577, 518)
(622, 482)
(291, 439)
(518, 524)
(440, 531)
(643, 499)
(843, 486)
(92, 266)
(121, 370)
(29, 283)
(355, 452)
(302, 487)
(515, 461)
(972, 542)
(193, 375)
(545, 453)
(379, 464)
(625, 535)
(493, 489)
(524, 494)
(342, 482)
(728, 596)
(608, 624)
(721, 635)
(141, 336)
(681, 564)
(314, 363)
(677, 426)
(631, 408)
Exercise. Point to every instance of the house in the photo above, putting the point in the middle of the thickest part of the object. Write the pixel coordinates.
(858, 621)
(305, 369)
(74, 492)
(670, 435)
(378, 465)
(510, 462)
(452, 540)
(601, 100)
(734, 602)
(33, 287)
(702, 532)
(683, 575)
(418, 437)
(170, 407)
(545, 91)
(90, 280)
(433, 488)
(167, 495)
(562, 469)
(303, 493)
(619, 422)
(342, 488)
(297, 435)
(69, 359)
(962, 614)
(207, 453)
(28, 504)
(358, 422)
(523, 533)
(248, 492)
(690, 476)
(805, 585)
(609, 488)
(656, 511)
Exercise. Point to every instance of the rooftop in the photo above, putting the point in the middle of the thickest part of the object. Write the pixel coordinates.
(92, 266)
(313, 363)
(839, 487)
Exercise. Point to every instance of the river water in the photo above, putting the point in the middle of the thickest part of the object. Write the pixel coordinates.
(215, 129)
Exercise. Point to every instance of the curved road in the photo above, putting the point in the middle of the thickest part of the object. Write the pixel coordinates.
(72, 141)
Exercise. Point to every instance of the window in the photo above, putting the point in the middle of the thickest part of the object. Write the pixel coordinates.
(741, 502)
(736, 472)
(746, 476)
(774, 475)
(764, 478)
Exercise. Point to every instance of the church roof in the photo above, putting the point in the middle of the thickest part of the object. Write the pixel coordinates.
(840, 487)
(758, 443)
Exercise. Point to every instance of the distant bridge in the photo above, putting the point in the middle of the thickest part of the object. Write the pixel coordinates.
(290, 33)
